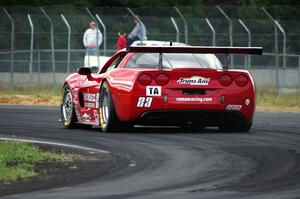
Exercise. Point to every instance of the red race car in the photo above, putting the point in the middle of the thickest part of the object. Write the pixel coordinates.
(185, 86)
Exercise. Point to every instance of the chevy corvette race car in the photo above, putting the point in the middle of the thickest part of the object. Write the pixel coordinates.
(162, 85)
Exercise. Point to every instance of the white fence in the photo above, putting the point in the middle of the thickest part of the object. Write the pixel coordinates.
(39, 41)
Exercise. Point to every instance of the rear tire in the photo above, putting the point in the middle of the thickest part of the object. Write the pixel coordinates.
(68, 115)
(109, 121)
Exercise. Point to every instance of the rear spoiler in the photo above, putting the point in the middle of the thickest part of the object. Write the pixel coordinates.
(197, 49)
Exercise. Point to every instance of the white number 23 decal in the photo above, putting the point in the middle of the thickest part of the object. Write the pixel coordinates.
(144, 102)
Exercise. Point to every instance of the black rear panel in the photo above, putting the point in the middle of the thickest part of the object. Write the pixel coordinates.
(199, 117)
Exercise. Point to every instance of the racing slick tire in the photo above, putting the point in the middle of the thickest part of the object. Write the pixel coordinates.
(232, 128)
(109, 121)
(68, 115)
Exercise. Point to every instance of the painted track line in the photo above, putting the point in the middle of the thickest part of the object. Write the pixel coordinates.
(56, 144)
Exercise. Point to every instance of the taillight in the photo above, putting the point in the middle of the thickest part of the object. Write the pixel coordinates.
(225, 80)
(162, 79)
(145, 79)
(241, 80)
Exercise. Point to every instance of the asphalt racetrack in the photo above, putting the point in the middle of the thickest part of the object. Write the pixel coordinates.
(170, 163)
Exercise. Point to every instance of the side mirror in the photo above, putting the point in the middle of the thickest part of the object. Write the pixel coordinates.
(94, 69)
(84, 71)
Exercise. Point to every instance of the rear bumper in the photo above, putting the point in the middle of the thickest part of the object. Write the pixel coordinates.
(199, 117)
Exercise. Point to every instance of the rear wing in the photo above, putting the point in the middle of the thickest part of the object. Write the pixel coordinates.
(197, 49)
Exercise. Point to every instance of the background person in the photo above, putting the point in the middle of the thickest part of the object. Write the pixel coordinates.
(121, 43)
(92, 39)
(139, 32)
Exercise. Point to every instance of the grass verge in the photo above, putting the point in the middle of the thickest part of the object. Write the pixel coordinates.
(18, 160)
(47, 95)
(271, 101)
(266, 100)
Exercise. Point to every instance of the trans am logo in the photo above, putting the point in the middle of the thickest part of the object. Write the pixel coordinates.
(195, 80)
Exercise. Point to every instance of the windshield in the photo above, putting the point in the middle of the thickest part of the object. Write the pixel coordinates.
(174, 60)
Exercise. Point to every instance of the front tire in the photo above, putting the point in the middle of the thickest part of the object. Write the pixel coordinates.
(68, 114)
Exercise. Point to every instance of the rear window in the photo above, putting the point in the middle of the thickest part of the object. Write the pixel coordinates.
(174, 60)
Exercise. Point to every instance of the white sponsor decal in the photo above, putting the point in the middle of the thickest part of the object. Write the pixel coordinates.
(86, 117)
(144, 102)
(234, 107)
(90, 104)
(194, 99)
(195, 80)
(153, 91)
(90, 97)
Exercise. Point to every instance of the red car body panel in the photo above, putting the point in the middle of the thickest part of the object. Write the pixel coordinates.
(177, 94)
